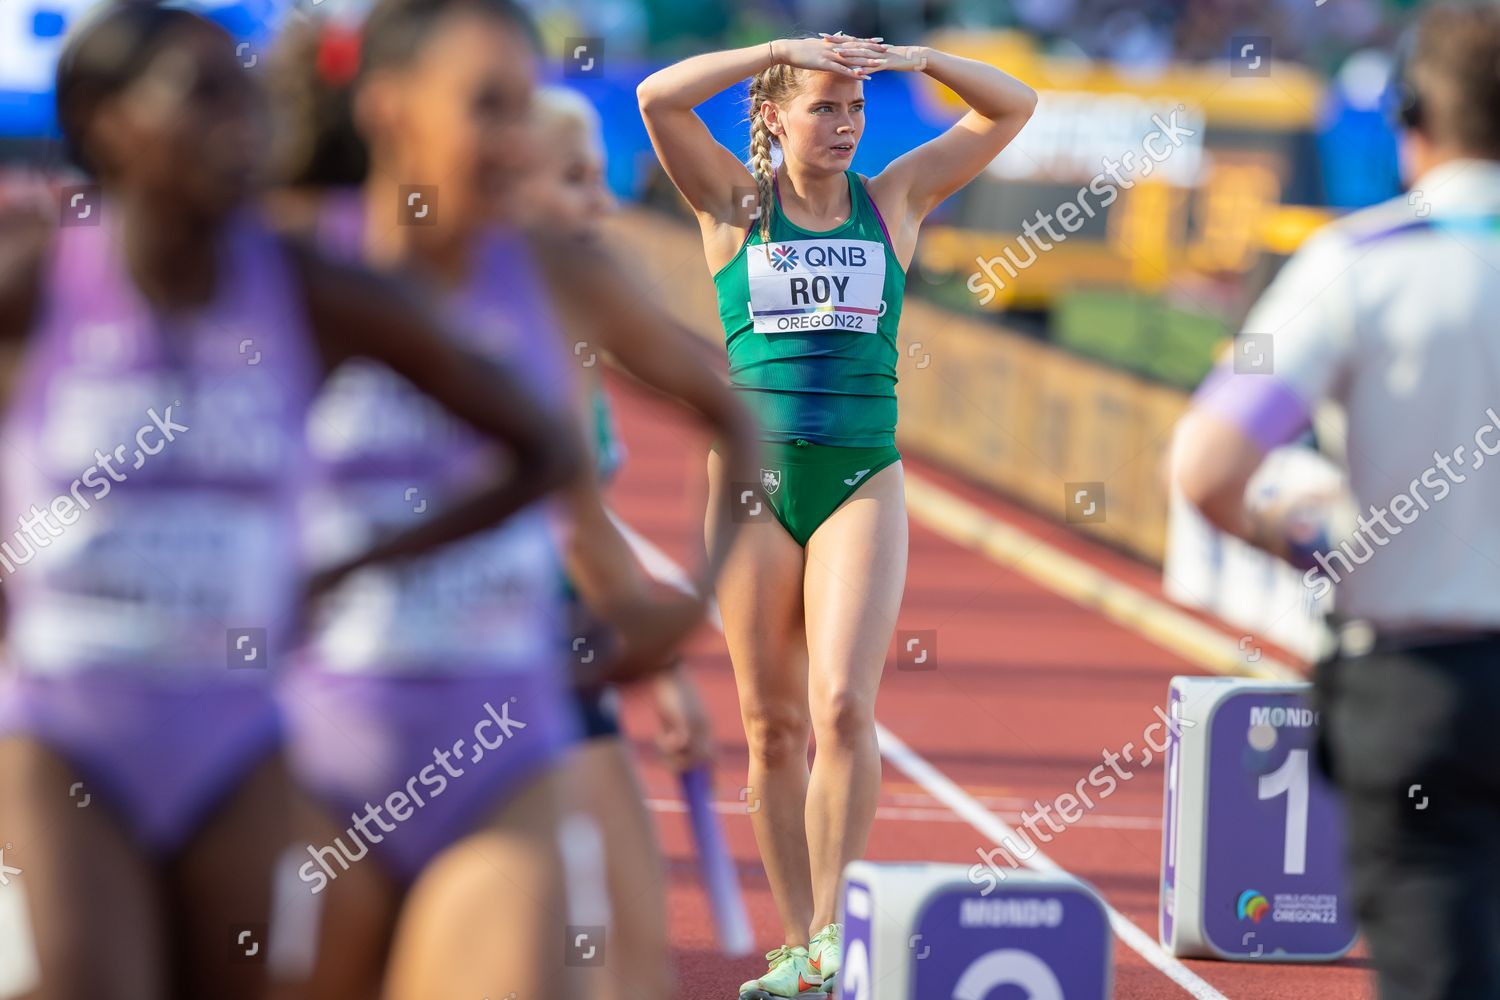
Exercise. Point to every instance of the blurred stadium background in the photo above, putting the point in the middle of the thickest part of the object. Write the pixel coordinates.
(1071, 369)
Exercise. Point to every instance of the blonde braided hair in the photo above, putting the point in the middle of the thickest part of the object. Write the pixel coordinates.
(776, 83)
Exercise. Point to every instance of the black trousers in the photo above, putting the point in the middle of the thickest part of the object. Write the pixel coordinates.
(1412, 740)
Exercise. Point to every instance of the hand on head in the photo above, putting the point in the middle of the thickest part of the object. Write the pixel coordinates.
(839, 53)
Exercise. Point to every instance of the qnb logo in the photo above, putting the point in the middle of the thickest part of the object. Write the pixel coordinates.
(784, 258)
(835, 255)
(1278, 717)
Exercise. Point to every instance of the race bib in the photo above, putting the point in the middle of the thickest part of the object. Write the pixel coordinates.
(365, 411)
(813, 284)
(481, 602)
(149, 425)
(152, 582)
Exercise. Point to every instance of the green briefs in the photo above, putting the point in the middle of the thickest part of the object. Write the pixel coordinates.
(803, 483)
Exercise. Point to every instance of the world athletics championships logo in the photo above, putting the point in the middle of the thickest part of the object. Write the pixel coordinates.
(784, 258)
(1252, 906)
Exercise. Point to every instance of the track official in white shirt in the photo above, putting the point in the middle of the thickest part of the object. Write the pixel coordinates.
(1394, 314)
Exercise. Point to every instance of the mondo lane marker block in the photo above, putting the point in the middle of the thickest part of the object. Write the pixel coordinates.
(926, 930)
(1252, 834)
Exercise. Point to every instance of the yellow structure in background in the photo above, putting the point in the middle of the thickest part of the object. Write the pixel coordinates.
(1286, 99)
(1034, 422)
(1016, 414)
(1206, 208)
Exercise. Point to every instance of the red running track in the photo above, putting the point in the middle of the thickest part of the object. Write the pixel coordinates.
(1029, 691)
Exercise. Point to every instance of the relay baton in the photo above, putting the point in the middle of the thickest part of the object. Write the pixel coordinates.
(719, 876)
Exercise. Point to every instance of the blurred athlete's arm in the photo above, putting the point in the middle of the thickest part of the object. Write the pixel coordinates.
(352, 312)
(649, 621)
(913, 184)
(599, 305)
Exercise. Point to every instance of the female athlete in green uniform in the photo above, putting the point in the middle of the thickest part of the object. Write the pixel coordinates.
(810, 290)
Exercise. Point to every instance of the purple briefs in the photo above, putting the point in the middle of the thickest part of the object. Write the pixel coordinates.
(410, 764)
(1262, 406)
(161, 753)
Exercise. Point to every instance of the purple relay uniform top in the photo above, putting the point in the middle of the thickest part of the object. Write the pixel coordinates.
(391, 456)
(413, 659)
(152, 464)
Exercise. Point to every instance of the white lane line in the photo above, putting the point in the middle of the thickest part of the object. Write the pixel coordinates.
(913, 814)
(1006, 804)
(662, 566)
(944, 790)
